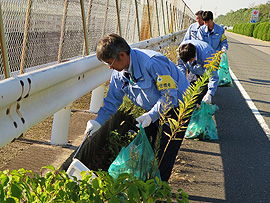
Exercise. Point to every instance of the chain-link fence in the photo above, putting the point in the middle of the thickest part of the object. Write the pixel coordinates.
(38, 33)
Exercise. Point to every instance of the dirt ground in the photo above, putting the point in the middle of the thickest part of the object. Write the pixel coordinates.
(193, 171)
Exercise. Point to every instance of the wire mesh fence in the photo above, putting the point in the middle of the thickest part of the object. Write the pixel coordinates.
(38, 33)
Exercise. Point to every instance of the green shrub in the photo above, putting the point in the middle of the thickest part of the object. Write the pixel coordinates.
(25, 186)
(265, 31)
(256, 29)
(249, 29)
(268, 36)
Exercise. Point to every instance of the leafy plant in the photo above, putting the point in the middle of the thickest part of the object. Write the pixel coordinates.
(186, 106)
(116, 142)
(56, 186)
(25, 186)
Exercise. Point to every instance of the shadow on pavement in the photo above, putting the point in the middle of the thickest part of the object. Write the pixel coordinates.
(245, 149)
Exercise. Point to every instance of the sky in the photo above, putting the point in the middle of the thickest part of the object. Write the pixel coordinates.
(221, 7)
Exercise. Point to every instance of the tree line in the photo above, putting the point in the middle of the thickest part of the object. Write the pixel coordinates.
(243, 15)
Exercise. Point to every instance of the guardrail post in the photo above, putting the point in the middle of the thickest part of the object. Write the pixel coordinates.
(60, 126)
(97, 99)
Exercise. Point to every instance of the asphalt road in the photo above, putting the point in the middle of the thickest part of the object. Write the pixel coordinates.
(244, 145)
(235, 168)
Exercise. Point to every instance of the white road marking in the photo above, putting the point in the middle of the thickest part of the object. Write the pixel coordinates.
(251, 105)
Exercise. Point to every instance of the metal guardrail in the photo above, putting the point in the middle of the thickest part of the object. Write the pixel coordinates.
(27, 99)
(38, 33)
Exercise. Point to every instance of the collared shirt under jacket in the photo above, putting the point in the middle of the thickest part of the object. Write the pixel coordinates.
(143, 90)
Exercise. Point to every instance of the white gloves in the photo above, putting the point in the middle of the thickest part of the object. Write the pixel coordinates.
(144, 120)
(92, 126)
(207, 98)
(223, 50)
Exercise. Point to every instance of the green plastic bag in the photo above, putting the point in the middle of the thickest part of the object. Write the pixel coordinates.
(225, 79)
(137, 158)
(201, 123)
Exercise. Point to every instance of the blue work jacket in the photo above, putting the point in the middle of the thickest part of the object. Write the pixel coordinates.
(203, 51)
(192, 31)
(143, 90)
(216, 38)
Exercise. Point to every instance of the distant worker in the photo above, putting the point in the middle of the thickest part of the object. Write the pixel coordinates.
(194, 27)
(212, 33)
(149, 79)
(192, 58)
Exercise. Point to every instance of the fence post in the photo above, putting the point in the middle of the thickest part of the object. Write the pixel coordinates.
(25, 36)
(84, 28)
(105, 18)
(118, 17)
(129, 5)
(62, 32)
(97, 98)
(164, 24)
(183, 17)
(87, 22)
(61, 118)
(157, 17)
(149, 18)
(171, 12)
(168, 19)
(4, 46)
(138, 22)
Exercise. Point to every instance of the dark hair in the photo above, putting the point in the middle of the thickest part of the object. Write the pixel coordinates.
(207, 15)
(187, 52)
(110, 46)
(200, 12)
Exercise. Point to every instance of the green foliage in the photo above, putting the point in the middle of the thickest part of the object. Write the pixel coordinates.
(261, 31)
(186, 106)
(244, 29)
(128, 105)
(258, 30)
(116, 142)
(25, 186)
(243, 15)
(56, 186)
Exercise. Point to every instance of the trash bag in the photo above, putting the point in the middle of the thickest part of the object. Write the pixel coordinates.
(225, 79)
(201, 123)
(137, 159)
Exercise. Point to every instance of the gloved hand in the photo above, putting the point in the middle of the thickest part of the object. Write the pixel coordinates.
(223, 50)
(144, 119)
(92, 126)
(207, 98)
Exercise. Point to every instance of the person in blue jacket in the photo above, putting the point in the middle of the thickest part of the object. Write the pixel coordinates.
(212, 33)
(192, 58)
(149, 79)
(194, 27)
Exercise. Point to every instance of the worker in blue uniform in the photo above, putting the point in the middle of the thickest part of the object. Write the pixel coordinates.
(212, 33)
(194, 27)
(192, 58)
(149, 79)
